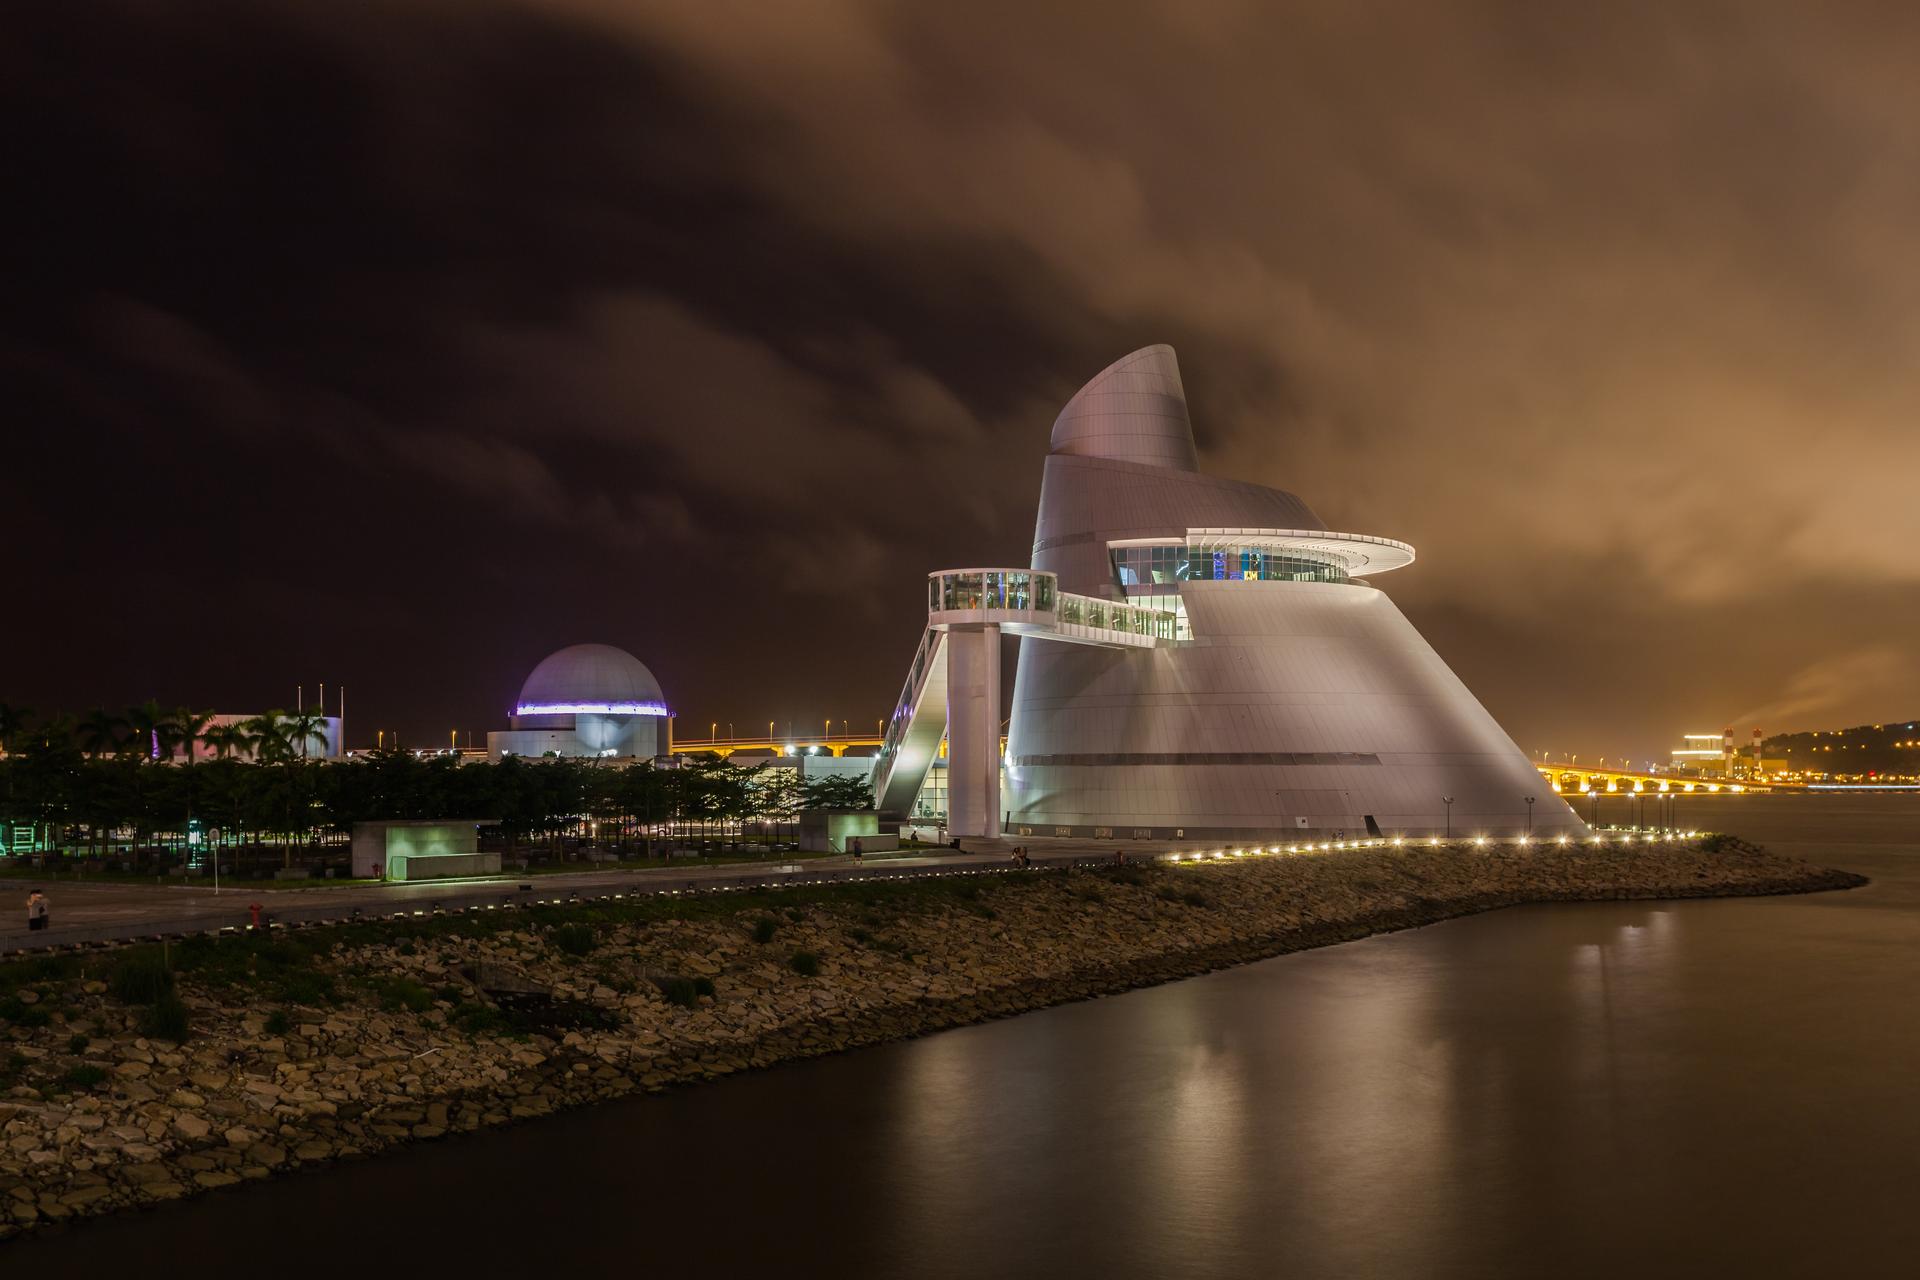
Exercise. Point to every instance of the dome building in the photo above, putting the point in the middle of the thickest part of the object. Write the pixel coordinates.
(586, 700)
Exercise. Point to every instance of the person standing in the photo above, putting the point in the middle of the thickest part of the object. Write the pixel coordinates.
(37, 909)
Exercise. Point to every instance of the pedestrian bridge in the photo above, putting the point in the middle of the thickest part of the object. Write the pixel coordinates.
(953, 686)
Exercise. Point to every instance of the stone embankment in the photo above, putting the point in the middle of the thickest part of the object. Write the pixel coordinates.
(337, 1043)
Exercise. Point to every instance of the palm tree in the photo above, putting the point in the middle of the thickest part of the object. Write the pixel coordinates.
(100, 733)
(151, 731)
(225, 739)
(190, 728)
(302, 727)
(268, 736)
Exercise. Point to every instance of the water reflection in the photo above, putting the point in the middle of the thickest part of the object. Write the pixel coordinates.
(1706, 1088)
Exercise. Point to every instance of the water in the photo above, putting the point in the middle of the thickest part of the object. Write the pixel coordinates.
(1712, 1088)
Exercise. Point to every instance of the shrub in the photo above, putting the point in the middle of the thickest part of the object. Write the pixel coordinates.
(84, 1076)
(475, 1018)
(680, 991)
(764, 928)
(78, 1044)
(278, 1024)
(805, 963)
(166, 1020)
(142, 977)
(575, 939)
(11, 1069)
(21, 1014)
(302, 986)
(403, 993)
(451, 994)
(703, 986)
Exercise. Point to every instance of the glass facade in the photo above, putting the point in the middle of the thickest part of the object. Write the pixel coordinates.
(991, 589)
(1191, 562)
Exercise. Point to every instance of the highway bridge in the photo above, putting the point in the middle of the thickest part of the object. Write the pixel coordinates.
(1571, 779)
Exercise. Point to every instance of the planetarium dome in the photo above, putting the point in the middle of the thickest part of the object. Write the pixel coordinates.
(587, 700)
(597, 678)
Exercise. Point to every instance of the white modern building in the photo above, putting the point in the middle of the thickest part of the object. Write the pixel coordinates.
(1199, 658)
(587, 700)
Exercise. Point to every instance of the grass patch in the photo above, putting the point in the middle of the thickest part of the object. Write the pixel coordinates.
(806, 964)
(22, 1014)
(86, 1076)
(167, 1019)
(396, 994)
(141, 977)
(284, 972)
(476, 1018)
(764, 928)
(278, 1023)
(78, 1044)
(684, 992)
(575, 939)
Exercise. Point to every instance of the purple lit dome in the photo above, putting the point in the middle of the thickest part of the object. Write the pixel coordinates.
(591, 679)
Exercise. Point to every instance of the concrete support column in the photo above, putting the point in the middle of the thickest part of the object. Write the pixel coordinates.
(973, 732)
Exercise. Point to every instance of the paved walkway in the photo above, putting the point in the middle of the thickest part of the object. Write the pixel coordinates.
(100, 913)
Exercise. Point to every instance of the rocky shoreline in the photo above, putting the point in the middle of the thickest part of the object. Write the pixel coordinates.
(336, 1043)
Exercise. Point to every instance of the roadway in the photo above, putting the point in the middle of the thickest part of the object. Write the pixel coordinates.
(94, 913)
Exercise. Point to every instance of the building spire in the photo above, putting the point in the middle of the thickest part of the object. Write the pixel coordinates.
(1134, 410)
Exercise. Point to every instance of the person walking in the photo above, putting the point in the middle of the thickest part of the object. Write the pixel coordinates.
(37, 909)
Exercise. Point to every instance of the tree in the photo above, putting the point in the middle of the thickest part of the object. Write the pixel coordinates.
(190, 729)
(301, 728)
(150, 731)
(100, 733)
(226, 740)
(267, 736)
(839, 792)
(13, 725)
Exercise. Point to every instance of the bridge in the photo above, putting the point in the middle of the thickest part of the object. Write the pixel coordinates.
(1571, 779)
(786, 745)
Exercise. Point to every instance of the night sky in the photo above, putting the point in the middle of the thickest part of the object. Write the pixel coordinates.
(397, 344)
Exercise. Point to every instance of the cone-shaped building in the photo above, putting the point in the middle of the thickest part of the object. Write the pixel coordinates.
(1292, 697)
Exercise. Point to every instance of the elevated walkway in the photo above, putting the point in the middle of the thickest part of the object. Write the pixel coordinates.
(953, 687)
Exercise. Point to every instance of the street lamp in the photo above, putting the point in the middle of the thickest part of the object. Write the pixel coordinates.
(1529, 815)
(769, 731)
(1448, 801)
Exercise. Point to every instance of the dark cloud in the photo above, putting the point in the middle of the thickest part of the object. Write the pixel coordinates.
(400, 343)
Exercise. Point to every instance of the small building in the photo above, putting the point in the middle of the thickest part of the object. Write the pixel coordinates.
(828, 830)
(422, 849)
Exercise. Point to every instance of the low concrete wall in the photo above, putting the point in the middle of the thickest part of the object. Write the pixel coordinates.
(442, 866)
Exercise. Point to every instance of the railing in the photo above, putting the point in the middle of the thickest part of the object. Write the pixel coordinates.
(903, 709)
(1029, 602)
